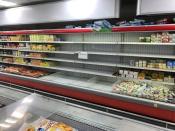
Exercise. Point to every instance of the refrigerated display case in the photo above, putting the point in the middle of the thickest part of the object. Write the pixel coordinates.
(27, 110)
(87, 65)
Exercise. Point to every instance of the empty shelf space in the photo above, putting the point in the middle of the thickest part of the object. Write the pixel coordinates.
(132, 55)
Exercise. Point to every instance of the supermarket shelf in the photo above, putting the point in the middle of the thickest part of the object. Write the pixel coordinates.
(68, 69)
(50, 52)
(146, 28)
(144, 68)
(165, 27)
(99, 53)
(147, 81)
(93, 42)
(63, 60)
(9, 49)
(131, 55)
(54, 52)
(48, 31)
(29, 41)
(54, 42)
(2, 55)
(51, 59)
(96, 63)
(102, 53)
(146, 43)
(92, 88)
(75, 61)
(61, 42)
(105, 119)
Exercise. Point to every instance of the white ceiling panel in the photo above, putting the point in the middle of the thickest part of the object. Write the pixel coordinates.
(69, 10)
(147, 7)
(24, 2)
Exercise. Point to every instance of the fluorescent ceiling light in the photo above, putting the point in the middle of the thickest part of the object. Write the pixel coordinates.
(10, 121)
(4, 125)
(7, 3)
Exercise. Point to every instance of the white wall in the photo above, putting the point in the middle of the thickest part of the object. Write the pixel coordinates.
(155, 6)
(67, 10)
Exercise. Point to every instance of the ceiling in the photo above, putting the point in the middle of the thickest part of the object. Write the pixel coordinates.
(27, 2)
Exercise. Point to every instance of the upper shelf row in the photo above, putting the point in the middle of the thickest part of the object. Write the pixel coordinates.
(166, 27)
(92, 42)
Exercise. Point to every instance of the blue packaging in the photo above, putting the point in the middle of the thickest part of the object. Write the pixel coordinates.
(102, 24)
(170, 64)
(173, 64)
(40, 129)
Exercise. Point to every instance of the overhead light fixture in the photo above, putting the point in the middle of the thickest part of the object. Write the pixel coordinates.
(7, 3)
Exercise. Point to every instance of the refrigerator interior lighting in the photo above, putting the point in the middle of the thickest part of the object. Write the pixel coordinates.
(27, 101)
(7, 3)
(17, 114)
(4, 125)
(11, 121)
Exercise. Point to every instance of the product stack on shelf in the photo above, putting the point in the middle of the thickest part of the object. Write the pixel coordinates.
(144, 90)
(18, 56)
(147, 75)
(164, 37)
(24, 71)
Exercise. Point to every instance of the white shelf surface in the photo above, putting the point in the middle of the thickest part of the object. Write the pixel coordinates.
(131, 55)
(96, 63)
(145, 68)
(93, 42)
(146, 43)
(80, 82)
(98, 53)
(3, 55)
(64, 60)
(16, 49)
(54, 52)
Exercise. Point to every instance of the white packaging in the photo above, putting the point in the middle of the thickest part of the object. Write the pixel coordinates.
(171, 80)
(130, 72)
(137, 64)
(121, 72)
(126, 72)
(144, 63)
(135, 75)
(140, 63)
(128, 76)
(131, 76)
(123, 75)
(83, 55)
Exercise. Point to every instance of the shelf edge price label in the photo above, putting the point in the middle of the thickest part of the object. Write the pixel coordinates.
(83, 55)
(155, 105)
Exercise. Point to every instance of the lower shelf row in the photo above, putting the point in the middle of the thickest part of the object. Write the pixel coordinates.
(152, 91)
